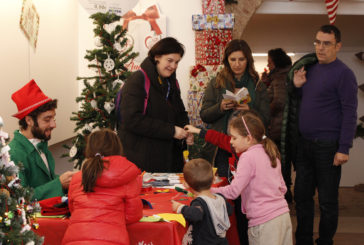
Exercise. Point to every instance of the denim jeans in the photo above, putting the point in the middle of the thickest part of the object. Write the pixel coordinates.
(315, 169)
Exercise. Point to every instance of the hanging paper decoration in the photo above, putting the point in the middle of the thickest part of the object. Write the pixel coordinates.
(98, 42)
(73, 151)
(93, 104)
(117, 46)
(331, 6)
(118, 81)
(109, 64)
(109, 106)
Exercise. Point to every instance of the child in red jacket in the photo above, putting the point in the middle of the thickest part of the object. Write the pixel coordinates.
(219, 139)
(104, 196)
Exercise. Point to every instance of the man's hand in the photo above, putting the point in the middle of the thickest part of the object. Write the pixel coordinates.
(179, 133)
(299, 77)
(340, 158)
(65, 179)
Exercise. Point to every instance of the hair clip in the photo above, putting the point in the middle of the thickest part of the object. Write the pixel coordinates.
(246, 126)
(99, 155)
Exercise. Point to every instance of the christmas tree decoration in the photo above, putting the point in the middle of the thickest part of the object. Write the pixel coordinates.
(118, 82)
(109, 106)
(118, 47)
(96, 99)
(98, 42)
(73, 151)
(331, 7)
(93, 104)
(109, 64)
(17, 212)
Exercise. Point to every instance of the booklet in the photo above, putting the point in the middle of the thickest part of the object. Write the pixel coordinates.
(241, 97)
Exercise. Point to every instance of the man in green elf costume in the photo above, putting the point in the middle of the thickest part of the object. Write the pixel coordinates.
(36, 114)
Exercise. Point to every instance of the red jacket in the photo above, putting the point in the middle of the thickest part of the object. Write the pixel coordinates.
(100, 217)
(222, 141)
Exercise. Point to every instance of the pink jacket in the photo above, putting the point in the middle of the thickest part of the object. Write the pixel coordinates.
(100, 217)
(261, 187)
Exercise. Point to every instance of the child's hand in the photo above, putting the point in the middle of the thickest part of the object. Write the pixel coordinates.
(189, 139)
(175, 205)
(192, 129)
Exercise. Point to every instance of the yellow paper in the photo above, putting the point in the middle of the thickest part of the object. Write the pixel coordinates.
(151, 219)
(175, 217)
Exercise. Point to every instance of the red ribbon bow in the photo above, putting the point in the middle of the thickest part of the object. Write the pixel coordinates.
(197, 69)
(150, 15)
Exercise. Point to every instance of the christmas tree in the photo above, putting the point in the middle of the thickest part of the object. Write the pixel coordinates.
(16, 210)
(110, 62)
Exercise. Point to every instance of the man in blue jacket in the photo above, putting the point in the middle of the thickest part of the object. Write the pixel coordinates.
(327, 116)
(36, 114)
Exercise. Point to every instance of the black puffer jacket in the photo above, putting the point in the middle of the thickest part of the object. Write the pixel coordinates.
(148, 138)
(290, 134)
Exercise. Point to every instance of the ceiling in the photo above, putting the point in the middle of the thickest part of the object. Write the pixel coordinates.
(295, 33)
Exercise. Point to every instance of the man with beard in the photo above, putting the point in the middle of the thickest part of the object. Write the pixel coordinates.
(36, 114)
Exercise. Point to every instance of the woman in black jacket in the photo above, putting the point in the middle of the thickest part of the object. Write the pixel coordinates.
(152, 119)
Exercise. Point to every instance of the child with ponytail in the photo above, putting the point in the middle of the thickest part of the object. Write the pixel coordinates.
(259, 182)
(104, 196)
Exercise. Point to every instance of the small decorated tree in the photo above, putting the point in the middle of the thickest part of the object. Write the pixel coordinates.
(16, 210)
(110, 60)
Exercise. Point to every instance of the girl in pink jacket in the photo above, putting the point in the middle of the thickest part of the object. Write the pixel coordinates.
(258, 179)
(104, 196)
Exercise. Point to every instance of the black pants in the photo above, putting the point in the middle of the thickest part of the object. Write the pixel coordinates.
(222, 162)
(315, 169)
(241, 223)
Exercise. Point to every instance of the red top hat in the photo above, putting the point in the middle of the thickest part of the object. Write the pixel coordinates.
(28, 98)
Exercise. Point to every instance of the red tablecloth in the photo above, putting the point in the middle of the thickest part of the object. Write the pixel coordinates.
(143, 233)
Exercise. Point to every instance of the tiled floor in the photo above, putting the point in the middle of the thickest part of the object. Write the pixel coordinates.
(351, 218)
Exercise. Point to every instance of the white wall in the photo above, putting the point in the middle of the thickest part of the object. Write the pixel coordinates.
(53, 65)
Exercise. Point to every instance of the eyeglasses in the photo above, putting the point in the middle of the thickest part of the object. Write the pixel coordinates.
(325, 44)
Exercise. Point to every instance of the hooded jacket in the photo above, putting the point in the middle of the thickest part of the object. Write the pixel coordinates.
(100, 217)
(148, 137)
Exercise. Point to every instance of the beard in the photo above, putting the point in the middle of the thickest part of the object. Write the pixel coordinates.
(39, 133)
